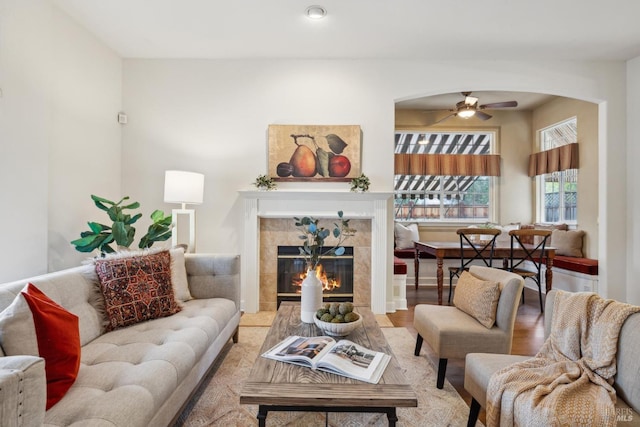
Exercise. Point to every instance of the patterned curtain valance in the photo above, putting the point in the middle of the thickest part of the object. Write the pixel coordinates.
(448, 164)
(554, 160)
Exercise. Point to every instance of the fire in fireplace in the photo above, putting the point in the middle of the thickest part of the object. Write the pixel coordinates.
(335, 273)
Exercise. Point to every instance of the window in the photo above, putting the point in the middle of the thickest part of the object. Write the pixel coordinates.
(444, 198)
(558, 191)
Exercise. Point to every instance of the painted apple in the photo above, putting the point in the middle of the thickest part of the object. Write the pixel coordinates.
(339, 166)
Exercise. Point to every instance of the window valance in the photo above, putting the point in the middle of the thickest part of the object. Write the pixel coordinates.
(448, 164)
(554, 160)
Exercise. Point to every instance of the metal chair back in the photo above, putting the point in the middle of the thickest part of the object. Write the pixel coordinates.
(479, 247)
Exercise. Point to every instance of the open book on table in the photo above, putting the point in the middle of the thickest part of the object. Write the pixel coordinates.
(326, 354)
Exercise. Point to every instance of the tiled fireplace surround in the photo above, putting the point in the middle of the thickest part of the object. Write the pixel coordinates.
(269, 223)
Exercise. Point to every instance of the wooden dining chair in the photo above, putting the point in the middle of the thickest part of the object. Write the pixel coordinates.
(533, 253)
(482, 250)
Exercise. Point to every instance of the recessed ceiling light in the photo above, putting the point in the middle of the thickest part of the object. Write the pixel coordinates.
(316, 12)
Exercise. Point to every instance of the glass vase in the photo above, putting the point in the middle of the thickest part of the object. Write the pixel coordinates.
(311, 296)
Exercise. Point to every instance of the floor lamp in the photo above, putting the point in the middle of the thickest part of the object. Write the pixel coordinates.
(184, 188)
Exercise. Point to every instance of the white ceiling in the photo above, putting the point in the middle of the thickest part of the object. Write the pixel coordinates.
(419, 29)
(376, 29)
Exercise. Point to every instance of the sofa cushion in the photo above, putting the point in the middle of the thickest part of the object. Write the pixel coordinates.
(17, 330)
(137, 368)
(179, 275)
(478, 298)
(136, 288)
(58, 338)
(540, 226)
(406, 235)
(34, 325)
(567, 242)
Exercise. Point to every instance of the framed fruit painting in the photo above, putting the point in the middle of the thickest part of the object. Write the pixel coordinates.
(314, 152)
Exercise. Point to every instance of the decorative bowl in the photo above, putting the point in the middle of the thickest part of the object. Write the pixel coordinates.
(338, 329)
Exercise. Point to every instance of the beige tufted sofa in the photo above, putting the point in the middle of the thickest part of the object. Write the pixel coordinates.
(141, 375)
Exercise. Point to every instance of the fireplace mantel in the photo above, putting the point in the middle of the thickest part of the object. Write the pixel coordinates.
(375, 206)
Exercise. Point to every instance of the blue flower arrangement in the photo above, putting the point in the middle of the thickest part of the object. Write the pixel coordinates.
(313, 249)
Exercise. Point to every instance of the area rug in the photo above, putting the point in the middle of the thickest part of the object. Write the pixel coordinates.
(217, 402)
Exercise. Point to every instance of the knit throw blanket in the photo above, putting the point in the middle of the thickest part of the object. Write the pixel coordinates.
(569, 382)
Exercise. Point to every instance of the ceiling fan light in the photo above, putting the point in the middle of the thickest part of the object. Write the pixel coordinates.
(470, 100)
(465, 114)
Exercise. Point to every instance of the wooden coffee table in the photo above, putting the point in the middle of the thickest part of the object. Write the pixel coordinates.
(279, 386)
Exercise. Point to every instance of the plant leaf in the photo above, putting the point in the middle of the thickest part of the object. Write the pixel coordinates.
(134, 219)
(134, 205)
(120, 233)
(95, 227)
(157, 215)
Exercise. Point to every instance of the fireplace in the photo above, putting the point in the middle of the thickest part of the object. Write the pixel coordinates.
(335, 273)
(268, 223)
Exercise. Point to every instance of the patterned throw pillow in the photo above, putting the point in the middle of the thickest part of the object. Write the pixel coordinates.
(136, 288)
(477, 298)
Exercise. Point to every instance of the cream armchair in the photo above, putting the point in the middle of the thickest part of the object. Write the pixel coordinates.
(452, 333)
(479, 368)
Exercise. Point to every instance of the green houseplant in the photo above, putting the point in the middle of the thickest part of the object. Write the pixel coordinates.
(360, 183)
(264, 182)
(121, 232)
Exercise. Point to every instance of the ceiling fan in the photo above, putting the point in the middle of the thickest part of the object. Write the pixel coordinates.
(469, 107)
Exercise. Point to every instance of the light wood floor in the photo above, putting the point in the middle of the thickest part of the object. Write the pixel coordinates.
(527, 340)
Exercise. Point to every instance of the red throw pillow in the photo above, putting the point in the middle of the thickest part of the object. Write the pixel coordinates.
(58, 336)
(136, 288)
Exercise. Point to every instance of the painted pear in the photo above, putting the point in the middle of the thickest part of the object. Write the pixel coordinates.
(303, 162)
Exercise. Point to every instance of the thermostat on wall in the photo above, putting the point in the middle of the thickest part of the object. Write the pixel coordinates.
(122, 118)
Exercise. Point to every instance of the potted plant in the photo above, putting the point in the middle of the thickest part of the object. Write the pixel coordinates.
(121, 232)
(263, 182)
(360, 184)
(313, 250)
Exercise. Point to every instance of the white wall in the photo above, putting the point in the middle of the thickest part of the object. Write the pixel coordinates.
(212, 116)
(586, 115)
(633, 177)
(60, 93)
(59, 140)
(85, 149)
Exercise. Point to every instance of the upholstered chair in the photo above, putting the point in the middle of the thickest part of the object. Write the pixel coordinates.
(452, 333)
(479, 367)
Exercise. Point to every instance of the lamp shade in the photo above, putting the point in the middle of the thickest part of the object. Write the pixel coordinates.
(183, 187)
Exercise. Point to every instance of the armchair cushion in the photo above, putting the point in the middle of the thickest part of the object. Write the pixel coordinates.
(478, 298)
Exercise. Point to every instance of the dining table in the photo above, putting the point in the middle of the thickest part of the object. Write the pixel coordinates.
(442, 250)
